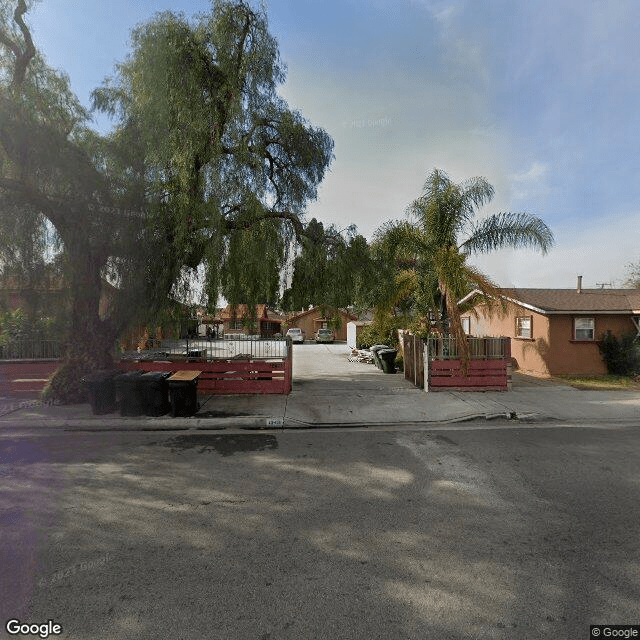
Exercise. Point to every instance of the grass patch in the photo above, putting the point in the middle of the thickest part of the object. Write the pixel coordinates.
(604, 383)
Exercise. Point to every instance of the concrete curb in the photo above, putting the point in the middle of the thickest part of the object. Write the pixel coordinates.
(146, 424)
(123, 424)
(291, 423)
(481, 420)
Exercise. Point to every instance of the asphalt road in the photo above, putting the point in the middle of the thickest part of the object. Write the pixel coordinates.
(466, 532)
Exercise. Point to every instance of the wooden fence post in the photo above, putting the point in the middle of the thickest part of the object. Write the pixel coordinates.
(288, 367)
(427, 368)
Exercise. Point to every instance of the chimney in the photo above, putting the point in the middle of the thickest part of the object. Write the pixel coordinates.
(579, 287)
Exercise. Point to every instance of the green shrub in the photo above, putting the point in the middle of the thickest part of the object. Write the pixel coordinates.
(622, 356)
(17, 325)
(380, 331)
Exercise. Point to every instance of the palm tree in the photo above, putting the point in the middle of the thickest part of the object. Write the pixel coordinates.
(441, 234)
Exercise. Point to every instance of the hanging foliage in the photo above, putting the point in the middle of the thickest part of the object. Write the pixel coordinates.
(203, 150)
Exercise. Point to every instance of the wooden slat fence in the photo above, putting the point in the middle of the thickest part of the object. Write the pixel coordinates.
(438, 360)
(233, 365)
(446, 348)
(25, 376)
(413, 360)
(225, 377)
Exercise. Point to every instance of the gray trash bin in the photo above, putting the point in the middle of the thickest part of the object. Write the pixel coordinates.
(374, 350)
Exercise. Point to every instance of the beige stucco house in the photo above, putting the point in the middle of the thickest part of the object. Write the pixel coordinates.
(555, 331)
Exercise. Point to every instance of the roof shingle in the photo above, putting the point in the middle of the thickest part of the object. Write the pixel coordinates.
(568, 300)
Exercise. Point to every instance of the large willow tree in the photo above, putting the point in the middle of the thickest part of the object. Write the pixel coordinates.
(206, 165)
(232, 165)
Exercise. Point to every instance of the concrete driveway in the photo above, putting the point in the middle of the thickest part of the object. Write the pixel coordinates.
(331, 389)
(326, 366)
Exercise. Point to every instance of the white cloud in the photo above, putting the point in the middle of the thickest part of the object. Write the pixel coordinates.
(531, 182)
(443, 13)
(598, 253)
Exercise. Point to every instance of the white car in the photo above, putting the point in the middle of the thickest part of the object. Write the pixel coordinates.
(325, 335)
(296, 334)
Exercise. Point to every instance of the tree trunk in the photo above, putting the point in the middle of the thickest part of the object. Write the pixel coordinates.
(90, 343)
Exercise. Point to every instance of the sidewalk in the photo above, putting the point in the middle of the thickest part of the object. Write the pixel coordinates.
(329, 391)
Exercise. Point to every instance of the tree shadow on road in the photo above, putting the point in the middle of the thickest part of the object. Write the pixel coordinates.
(297, 537)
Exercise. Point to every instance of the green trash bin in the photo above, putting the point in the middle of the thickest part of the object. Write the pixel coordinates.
(388, 358)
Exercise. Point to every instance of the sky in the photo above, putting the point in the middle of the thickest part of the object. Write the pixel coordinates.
(542, 98)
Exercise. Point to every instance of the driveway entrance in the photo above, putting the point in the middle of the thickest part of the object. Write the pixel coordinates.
(325, 367)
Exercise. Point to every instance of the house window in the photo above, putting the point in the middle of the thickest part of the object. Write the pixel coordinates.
(523, 327)
(236, 325)
(270, 327)
(584, 328)
(466, 325)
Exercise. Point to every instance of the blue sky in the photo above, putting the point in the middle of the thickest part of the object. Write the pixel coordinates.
(542, 98)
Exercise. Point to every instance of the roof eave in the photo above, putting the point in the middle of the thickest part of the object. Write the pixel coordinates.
(476, 292)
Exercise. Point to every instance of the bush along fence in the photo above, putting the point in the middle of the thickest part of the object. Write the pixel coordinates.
(242, 365)
(435, 364)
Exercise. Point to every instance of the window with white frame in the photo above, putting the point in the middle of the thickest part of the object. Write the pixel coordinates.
(584, 328)
(236, 325)
(466, 325)
(523, 327)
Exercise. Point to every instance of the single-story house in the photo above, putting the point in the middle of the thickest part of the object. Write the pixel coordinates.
(319, 318)
(236, 319)
(555, 331)
(209, 326)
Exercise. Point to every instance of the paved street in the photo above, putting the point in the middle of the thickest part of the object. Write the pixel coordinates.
(468, 531)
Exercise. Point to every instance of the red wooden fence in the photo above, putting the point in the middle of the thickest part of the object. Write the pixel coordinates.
(218, 377)
(488, 369)
(21, 377)
(489, 366)
(226, 377)
(482, 375)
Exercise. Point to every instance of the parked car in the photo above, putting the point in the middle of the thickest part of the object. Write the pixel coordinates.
(296, 335)
(325, 335)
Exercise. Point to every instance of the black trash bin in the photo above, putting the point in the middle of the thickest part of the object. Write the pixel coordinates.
(388, 358)
(154, 391)
(375, 349)
(128, 393)
(102, 390)
(183, 393)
